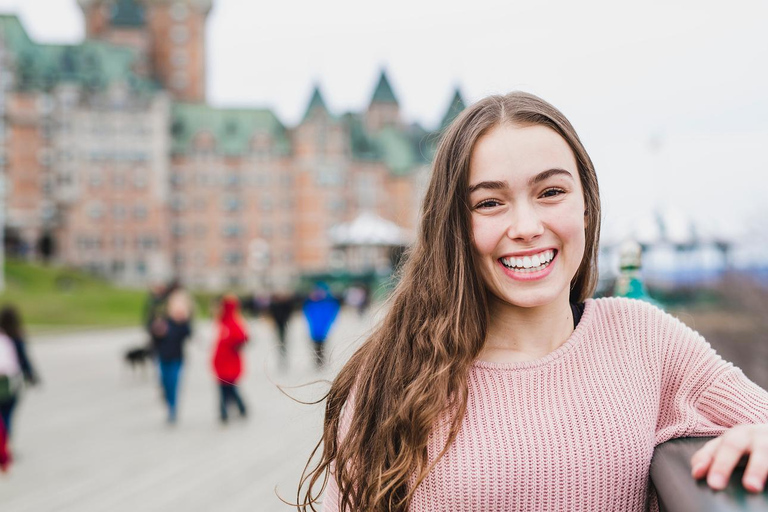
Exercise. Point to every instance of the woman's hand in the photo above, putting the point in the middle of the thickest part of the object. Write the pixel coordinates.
(717, 459)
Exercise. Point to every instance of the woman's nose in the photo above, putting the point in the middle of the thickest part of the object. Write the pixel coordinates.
(525, 224)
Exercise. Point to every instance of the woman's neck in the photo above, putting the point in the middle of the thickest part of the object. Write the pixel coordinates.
(524, 334)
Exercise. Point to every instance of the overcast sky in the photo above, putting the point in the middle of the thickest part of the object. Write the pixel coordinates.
(669, 96)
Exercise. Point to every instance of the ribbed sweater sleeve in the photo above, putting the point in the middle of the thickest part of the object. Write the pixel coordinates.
(701, 394)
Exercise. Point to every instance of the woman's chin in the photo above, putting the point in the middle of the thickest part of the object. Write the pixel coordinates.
(526, 300)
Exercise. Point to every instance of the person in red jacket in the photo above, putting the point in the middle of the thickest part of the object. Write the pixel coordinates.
(227, 362)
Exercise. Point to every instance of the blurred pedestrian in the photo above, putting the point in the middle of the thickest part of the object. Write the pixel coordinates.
(356, 297)
(5, 451)
(280, 309)
(320, 310)
(15, 365)
(227, 361)
(155, 310)
(176, 328)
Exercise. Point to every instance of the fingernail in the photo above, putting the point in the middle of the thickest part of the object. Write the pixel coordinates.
(716, 481)
(697, 470)
(753, 484)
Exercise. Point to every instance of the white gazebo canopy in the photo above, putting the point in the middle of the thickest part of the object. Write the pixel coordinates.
(368, 229)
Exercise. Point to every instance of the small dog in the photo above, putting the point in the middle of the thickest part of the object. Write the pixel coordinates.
(137, 357)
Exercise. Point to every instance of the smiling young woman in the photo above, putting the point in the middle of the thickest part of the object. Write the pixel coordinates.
(494, 382)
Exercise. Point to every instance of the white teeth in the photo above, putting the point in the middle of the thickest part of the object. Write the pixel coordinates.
(530, 263)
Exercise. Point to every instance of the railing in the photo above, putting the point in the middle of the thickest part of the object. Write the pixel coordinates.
(679, 492)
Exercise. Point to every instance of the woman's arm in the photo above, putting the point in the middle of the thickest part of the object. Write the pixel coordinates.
(703, 395)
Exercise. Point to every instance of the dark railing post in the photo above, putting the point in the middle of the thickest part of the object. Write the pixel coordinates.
(679, 492)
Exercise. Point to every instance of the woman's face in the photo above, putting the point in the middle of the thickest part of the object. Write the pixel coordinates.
(527, 208)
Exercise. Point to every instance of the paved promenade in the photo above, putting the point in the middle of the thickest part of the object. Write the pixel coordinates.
(93, 437)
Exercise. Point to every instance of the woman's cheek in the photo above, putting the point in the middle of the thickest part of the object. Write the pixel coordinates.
(485, 236)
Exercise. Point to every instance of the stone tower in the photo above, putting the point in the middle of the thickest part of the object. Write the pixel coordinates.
(384, 109)
(169, 36)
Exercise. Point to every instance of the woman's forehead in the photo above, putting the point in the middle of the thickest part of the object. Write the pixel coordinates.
(513, 152)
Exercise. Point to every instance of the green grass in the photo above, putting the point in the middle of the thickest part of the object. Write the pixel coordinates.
(61, 297)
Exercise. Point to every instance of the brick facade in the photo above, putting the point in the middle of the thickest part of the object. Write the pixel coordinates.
(139, 182)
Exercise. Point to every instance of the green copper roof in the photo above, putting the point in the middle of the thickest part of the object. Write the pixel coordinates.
(92, 64)
(383, 92)
(232, 129)
(360, 143)
(454, 109)
(401, 149)
(127, 13)
(315, 103)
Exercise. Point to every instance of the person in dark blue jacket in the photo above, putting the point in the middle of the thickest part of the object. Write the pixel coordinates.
(320, 310)
(175, 331)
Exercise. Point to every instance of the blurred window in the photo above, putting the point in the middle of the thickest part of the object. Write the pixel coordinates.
(118, 181)
(119, 212)
(233, 257)
(178, 230)
(140, 211)
(232, 204)
(232, 180)
(179, 34)
(179, 11)
(178, 204)
(179, 80)
(232, 230)
(337, 204)
(96, 210)
(179, 57)
(140, 180)
(329, 175)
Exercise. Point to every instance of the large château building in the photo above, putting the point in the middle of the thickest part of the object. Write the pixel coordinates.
(111, 156)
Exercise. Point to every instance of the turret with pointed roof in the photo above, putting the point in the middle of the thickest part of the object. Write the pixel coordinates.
(454, 109)
(383, 92)
(316, 104)
(384, 109)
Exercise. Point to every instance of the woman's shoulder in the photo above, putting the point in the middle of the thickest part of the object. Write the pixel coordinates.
(613, 306)
(640, 317)
(625, 314)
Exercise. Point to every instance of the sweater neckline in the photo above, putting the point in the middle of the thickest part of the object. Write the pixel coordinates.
(573, 340)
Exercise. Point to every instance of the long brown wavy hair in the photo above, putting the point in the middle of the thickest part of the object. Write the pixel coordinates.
(414, 365)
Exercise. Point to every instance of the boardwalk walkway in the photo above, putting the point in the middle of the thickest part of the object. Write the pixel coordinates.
(93, 436)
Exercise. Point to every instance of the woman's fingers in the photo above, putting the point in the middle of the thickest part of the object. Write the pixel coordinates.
(702, 459)
(734, 443)
(757, 467)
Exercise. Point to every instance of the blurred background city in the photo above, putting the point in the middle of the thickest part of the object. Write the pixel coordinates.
(258, 149)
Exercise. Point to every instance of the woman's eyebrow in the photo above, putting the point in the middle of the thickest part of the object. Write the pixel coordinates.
(489, 185)
(545, 175)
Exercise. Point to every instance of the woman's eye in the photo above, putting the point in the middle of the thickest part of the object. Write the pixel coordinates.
(552, 192)
(488, 203)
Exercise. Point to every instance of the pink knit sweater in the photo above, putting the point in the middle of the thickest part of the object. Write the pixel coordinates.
(576, 429)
